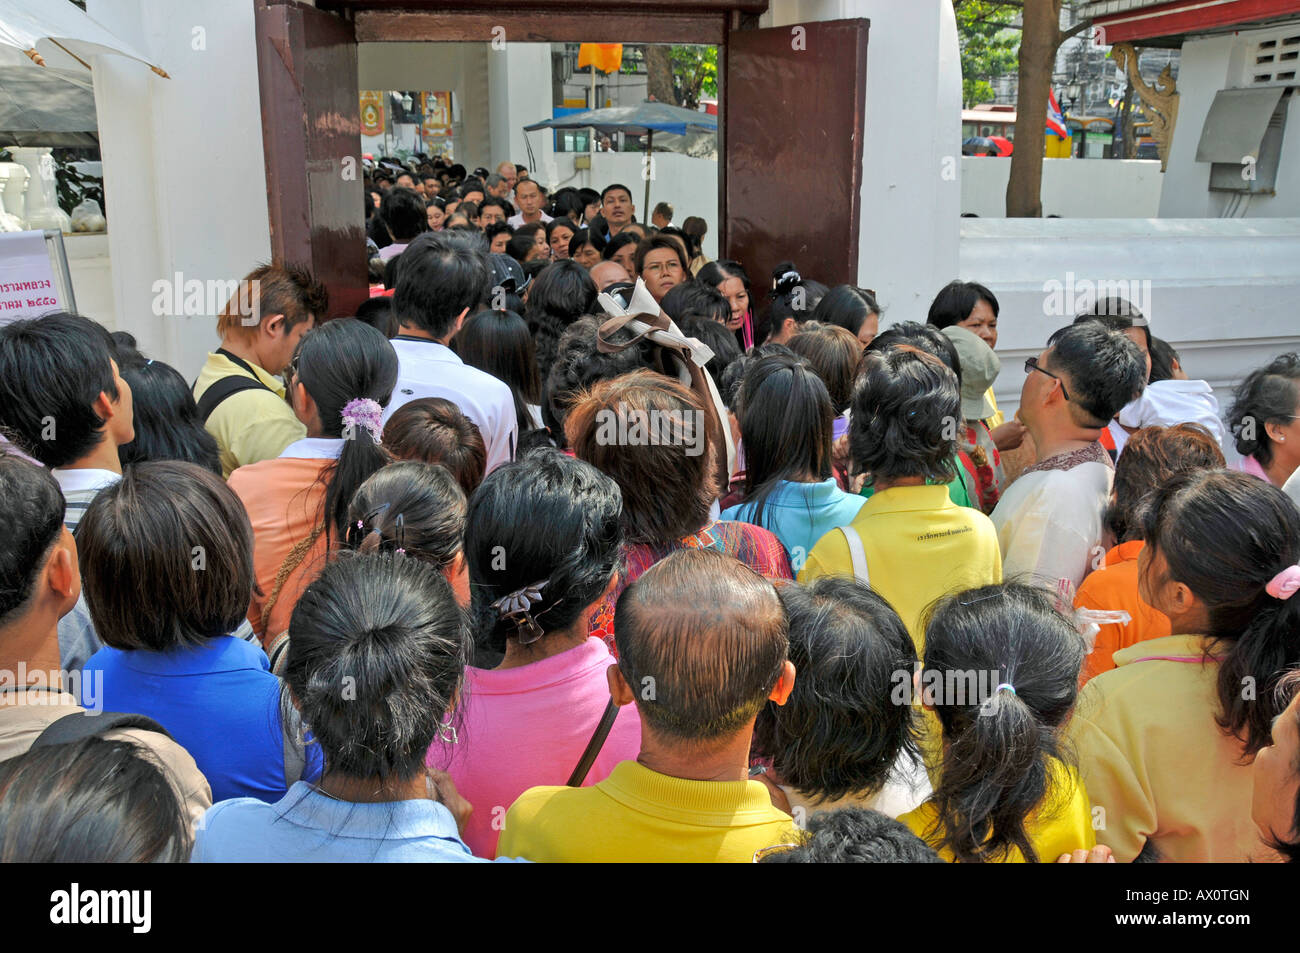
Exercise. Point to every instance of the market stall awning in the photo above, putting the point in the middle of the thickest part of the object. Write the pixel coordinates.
(57, 34)
(649, 116)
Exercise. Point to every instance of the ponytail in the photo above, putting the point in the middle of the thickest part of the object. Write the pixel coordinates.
(1002, 758)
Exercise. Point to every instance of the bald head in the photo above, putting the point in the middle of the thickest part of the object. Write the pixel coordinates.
(702, 643)
(608, 273)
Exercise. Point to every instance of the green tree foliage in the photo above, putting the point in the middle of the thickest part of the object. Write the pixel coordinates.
(690, 72)
(990, 45)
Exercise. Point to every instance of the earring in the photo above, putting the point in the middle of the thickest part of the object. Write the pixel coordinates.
(447, 733)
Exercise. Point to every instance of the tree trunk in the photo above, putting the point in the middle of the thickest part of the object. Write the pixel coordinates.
(1040, 37)
(659, 74)
(1128, 145)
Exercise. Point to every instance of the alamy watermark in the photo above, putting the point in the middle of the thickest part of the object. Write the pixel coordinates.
(640, 428)
(1077, 295)
(181, 297)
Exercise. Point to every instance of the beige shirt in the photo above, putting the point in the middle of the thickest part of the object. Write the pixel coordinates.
(252, 425)
(24, 715)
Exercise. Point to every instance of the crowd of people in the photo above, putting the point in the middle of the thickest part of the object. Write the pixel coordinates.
(573, 545)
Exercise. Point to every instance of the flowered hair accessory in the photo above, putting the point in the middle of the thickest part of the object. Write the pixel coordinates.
(1285, 584)
(518, 606)
(363, 412)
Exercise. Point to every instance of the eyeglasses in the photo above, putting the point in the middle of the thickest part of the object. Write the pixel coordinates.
(1031, 365)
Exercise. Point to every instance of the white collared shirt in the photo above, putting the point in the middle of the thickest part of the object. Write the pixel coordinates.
(514, 221)
(426, 368)
(314, 448)
(79, 487)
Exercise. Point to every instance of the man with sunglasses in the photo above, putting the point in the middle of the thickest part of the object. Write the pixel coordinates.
(1050, 520)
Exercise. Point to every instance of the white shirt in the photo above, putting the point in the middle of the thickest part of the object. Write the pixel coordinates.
(1049, 520)
(315, 448)
(79, 488)
(1166, 403)
(514, 221)
(430, 369)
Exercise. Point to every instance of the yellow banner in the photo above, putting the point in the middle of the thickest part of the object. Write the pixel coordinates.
(372, 112)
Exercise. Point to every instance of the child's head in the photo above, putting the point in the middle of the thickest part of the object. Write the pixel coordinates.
(1002, 673)
(855, 835)
(433, 430)
(842, 729)
(60, 391)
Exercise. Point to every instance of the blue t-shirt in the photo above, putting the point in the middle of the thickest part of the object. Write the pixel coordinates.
(218, 700)
(306, 826)
(799, 514)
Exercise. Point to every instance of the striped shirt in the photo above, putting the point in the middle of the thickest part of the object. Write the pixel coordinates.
(79, 488)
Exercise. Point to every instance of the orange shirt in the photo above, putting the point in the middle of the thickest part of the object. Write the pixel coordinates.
(1115, 586)
(283, 500)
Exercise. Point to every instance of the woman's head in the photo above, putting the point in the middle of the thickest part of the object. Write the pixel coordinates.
(1001, 671)
(841, 730)
(413, 508)
(835, 355)
(579, 363)
(1217, 544)
(851, 308)
(967, 304)
(165, 417)
(377, 649)
(547, 524)
(785, 425)
(498, 343)
(343, 376)
(561, 294)
(923, 337)
(651, 434)
(433, 430)
(792, 302)
(622, 249)
(92, 801)
(166, 558)
(436, 214)
(695, 299)
(902, 407)
(730, 279)
(559, 232)
(1275, 806)
(1153, 456)
(1265, 415)
(582, 250)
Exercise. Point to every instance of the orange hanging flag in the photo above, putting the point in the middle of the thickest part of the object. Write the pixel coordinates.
(606, 57)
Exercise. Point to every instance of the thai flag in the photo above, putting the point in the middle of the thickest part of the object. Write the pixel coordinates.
(1055, 118)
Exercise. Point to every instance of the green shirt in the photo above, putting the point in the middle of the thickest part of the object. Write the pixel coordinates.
(958, 490)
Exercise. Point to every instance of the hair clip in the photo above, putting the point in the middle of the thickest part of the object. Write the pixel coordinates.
(518, 606)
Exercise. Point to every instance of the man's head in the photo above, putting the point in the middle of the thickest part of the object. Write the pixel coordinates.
(507, 172)
(443, 275)
(662, 216)
(661, 262)
(274, 306)
(1080, 382)
(491, 212)
(702, 646)
(616, 205)
(528, 195)
(607, 273)
(497, 185)
(61, 394)
(432, 186)
(404, 212)
(1119, 314)
(38, 558)
(405, 180)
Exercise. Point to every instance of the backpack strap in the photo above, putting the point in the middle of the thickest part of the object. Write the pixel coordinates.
(90, 724)
(857, 554)
(223, 388)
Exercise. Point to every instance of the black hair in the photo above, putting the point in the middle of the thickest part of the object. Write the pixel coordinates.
(378, 312)
(491, 200)
(618, 241)
(34, 512)
(442, 275)
(341, 361)
(404, 212)
(792, 296)
(410, 506)
(499, 343)
(377, 649)
(166, 419)
(579, 363)
(562, 221)
(1225, 535)
(1268, 395)
(520, 244)
(561, 294)
(547, 521)
(716, 272)
(498, 228)
(841, 731)
(855, 835)
(433, 430)
(923, 337)
(902, 407)
(998, 749)
(695, 299)
(610, 188)
(835, 355)
(733, 375)
(1163, 358)
(1116, 314)
(716, 337)
(785, 422)
(956, 300)
(847, 307)
(1104, 369)
(581, 237)
(52, 370)
(660, 242)
(89, 802)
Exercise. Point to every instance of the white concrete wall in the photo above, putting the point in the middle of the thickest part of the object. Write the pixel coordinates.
(519, 88)
(184, 174)
(1072, 188)
(90, 263)
(1223, 292)
(1207, 66)
(911, 190)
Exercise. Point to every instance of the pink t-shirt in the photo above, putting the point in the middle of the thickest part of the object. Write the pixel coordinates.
(528, 726)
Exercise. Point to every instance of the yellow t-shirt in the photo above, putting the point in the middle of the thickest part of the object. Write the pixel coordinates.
(1062, 823)
(1157, 766)
(250, 426)
(998, 419)
(639, 815)
(920, 546)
